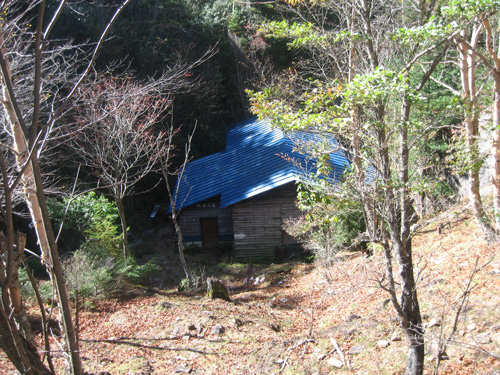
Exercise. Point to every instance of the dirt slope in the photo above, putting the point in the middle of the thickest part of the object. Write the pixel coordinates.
(293, 319)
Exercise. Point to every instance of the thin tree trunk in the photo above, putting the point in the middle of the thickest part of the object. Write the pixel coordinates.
(57, 274)
(180, 244)
(123, 221)
(399, 221)
(172, 196)
(496, 152)
(495, 68)
(178, 232)
(471, 124)
(16, 337)
(412, 320)
(35, 199)
(412, 324)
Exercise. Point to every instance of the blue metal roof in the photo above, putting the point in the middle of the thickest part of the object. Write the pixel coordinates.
(252, 164)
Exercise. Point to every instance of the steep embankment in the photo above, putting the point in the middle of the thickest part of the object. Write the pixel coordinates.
(296, 320)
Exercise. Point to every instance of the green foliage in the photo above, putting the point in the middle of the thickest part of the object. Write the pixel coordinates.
(136, 273)
(92, 215)
(221, 14)
(297, 34)
(44, 288)
(326, 106)
(97, 268)
(238, 19)
(373, 88)
(465, 10)
(183, 285)
(434, 30)
(328, 224)
(97, 275)
(90, 274)
(85, 212)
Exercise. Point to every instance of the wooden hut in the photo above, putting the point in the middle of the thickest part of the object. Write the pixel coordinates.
(242, 195)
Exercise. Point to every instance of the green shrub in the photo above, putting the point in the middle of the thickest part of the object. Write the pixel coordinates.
(94, 216)
(91, 275)
(97, 268)
(44, 288)
(135, 273)
(327, 225)
(95, 275)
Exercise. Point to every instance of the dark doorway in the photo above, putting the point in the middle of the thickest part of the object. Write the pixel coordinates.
(209, 232)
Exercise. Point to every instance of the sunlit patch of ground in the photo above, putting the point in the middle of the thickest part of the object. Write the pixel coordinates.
(297, 320)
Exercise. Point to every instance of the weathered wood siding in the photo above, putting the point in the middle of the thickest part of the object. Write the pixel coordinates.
(189, 221)
(258, 222)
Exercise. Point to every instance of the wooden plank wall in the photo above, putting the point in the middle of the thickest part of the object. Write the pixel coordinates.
(258, 222)
(189, 221)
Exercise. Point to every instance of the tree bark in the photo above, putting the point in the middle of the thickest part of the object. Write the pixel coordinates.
(35, 199)
(16, 337)
(180, 241)
(495, 178)
(496, 150)
(471, 125)
(399, 215)
(123, 221)
(172, 196)
(412, 321)
(58, 275)
(20, 352)
(415, 363)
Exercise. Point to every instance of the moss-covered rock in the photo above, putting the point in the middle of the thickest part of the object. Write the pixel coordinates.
(217, 289)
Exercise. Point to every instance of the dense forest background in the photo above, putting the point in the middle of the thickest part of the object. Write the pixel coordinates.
(151, 36)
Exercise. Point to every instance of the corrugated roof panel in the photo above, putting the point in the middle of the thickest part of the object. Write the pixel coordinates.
(252, 163)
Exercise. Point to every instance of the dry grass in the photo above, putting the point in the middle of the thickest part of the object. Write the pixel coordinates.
(286, 324)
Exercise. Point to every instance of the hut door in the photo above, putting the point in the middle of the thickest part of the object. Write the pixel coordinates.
(209, 232)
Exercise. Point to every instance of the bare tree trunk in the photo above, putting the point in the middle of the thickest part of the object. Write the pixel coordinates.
(35, 199)
(471, 124)
(495, 178)
(172, 195)
(16, 337)
(399, 214)
(496, 151)
(415, 363)
(412, 322)
(123, 221)
(175, 213)
(180, 245)
(58, 276)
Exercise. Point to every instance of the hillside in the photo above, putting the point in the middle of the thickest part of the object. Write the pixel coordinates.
(289, 318)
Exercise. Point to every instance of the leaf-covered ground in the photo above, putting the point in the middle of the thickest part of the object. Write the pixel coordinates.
(294, 319)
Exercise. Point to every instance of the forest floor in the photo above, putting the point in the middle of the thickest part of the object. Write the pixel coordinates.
(293, 318)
